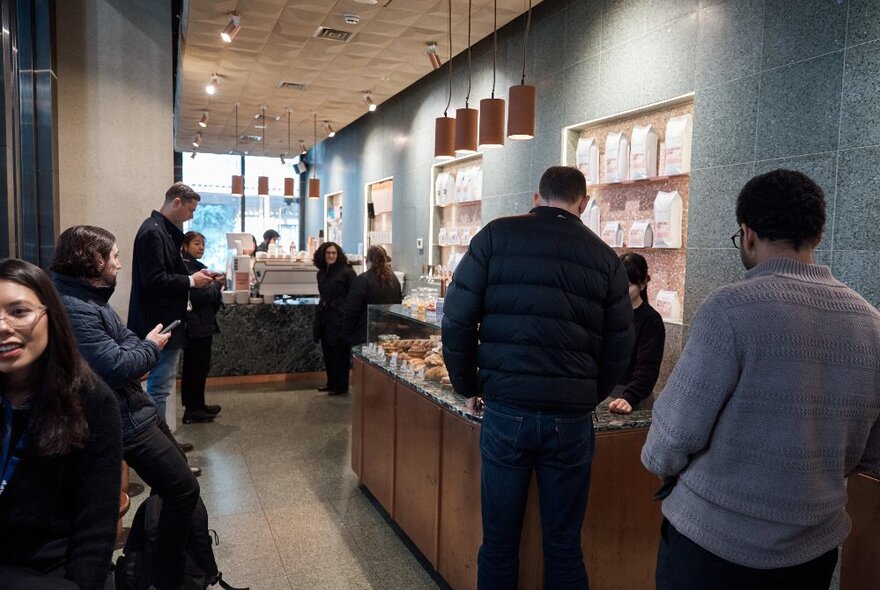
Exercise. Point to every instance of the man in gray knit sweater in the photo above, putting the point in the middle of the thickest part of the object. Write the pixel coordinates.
(774, 402)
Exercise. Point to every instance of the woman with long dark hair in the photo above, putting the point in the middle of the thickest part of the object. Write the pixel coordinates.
(334, 282)
(61, 445)
(377, 285)
(637, 383)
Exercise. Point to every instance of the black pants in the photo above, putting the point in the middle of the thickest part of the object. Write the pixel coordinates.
(194, 374)
(154, 454)
(337, 362)
(684, 565)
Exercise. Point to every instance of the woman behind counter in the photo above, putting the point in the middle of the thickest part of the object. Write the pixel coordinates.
(375, 286)
(62, 448)
(638, 382)
(335, 277)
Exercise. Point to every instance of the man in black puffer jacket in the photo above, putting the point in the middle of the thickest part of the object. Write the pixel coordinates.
(537, 321)
(85, 266)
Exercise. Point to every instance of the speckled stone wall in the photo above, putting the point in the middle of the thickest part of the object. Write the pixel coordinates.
(777, 83)
(265, 339)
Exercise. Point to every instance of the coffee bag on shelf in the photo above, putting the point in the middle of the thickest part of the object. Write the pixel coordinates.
(588, 159)
(643, 153)
(677, 151)
(616, 157)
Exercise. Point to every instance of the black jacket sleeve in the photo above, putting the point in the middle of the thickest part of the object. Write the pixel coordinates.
(355, 304)
(648, 356)
(116, 358)
(154, 274)
(617, 332)
(96, 499)
(463, 308)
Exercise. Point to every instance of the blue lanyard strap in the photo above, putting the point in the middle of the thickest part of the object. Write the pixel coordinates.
(9, 463)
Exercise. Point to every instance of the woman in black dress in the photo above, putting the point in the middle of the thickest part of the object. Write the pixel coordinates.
(61, 445)
(335, 277)
(375, 286)
(637, 383)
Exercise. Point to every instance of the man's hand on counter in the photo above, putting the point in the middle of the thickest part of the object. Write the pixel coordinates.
(620, 406)
(474, 405)
(201, 279)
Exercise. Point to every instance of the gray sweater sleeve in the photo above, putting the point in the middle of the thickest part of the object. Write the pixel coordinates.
(698, 389)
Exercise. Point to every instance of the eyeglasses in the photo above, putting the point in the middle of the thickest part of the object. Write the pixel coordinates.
(737, 239)
(23, 318)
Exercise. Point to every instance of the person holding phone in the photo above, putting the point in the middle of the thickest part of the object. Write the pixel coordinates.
(85, 267)
(201, 325)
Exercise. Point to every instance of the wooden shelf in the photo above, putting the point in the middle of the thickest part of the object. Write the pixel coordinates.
(474, 202)
(639, 181)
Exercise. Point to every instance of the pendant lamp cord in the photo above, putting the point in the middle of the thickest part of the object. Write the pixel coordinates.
(468, 97)
(526, 41)
(494, 43)
(315, 147)
(265, 127)
(236, 128)
(288, 131)
(449, 30)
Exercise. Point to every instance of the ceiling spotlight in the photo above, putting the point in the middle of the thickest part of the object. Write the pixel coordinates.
(193, 155)
(203, 122)
(431, 51)
(302, 147)
(283, 162)
(329, 129)
(368, 100)
(198, 140)
(232, 27)
(212, 87)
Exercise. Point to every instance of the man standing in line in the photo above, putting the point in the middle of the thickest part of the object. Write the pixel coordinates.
(537, 321)
(773, 404)
(161, 284)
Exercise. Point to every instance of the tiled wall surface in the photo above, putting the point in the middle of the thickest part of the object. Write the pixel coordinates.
(777, 83)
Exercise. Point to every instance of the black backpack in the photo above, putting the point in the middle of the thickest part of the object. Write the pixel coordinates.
(132, 569)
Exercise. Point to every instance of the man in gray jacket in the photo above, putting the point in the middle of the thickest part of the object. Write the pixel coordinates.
(773, 404)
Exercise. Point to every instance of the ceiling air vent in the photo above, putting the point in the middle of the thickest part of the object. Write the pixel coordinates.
(284, 84)
(250, 138)
(332, 34)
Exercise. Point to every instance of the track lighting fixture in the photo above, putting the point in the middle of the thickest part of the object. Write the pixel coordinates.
(211, 88)
(203, 122)
(193, 155)
(368, 100)
(431, 51)
(329, 129)
(232, 27)
(283, 161)
(198, 140)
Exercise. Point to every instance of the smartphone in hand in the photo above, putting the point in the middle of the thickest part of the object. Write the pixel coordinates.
(170, 327)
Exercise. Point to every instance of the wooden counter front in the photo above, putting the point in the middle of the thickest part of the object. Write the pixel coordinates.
(422, 463)
(860, 560)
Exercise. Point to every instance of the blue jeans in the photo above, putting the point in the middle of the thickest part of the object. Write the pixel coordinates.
(160, 383)
(559, 448)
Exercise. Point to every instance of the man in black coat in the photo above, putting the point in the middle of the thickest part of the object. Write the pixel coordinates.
(537, 321)
(85, 267)
(160, 285)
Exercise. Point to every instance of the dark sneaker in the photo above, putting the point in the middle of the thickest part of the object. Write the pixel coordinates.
(197, 416)
(212, 409)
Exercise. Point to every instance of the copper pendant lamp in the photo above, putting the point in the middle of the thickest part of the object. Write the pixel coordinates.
(444, 127)
(314, 182)
(492, 109)
(288, 180)
(523, 98)
(237, 179)
(466, 118)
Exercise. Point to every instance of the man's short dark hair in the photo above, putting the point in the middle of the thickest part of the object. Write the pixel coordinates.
(181, 191)
(562, 183)
(269, 234)
(79, 250)
(783, 205)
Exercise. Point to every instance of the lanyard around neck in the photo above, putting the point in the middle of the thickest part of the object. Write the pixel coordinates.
(9, 458)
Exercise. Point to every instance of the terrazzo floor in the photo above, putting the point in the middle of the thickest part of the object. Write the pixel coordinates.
(280, 493)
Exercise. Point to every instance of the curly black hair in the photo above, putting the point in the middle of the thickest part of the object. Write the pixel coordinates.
(783, 205)
(319, 261)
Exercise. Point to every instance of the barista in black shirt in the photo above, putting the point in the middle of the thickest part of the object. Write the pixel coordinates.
(637, 383)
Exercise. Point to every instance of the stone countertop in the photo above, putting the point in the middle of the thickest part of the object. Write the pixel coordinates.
(265, 339)
(445, 396)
